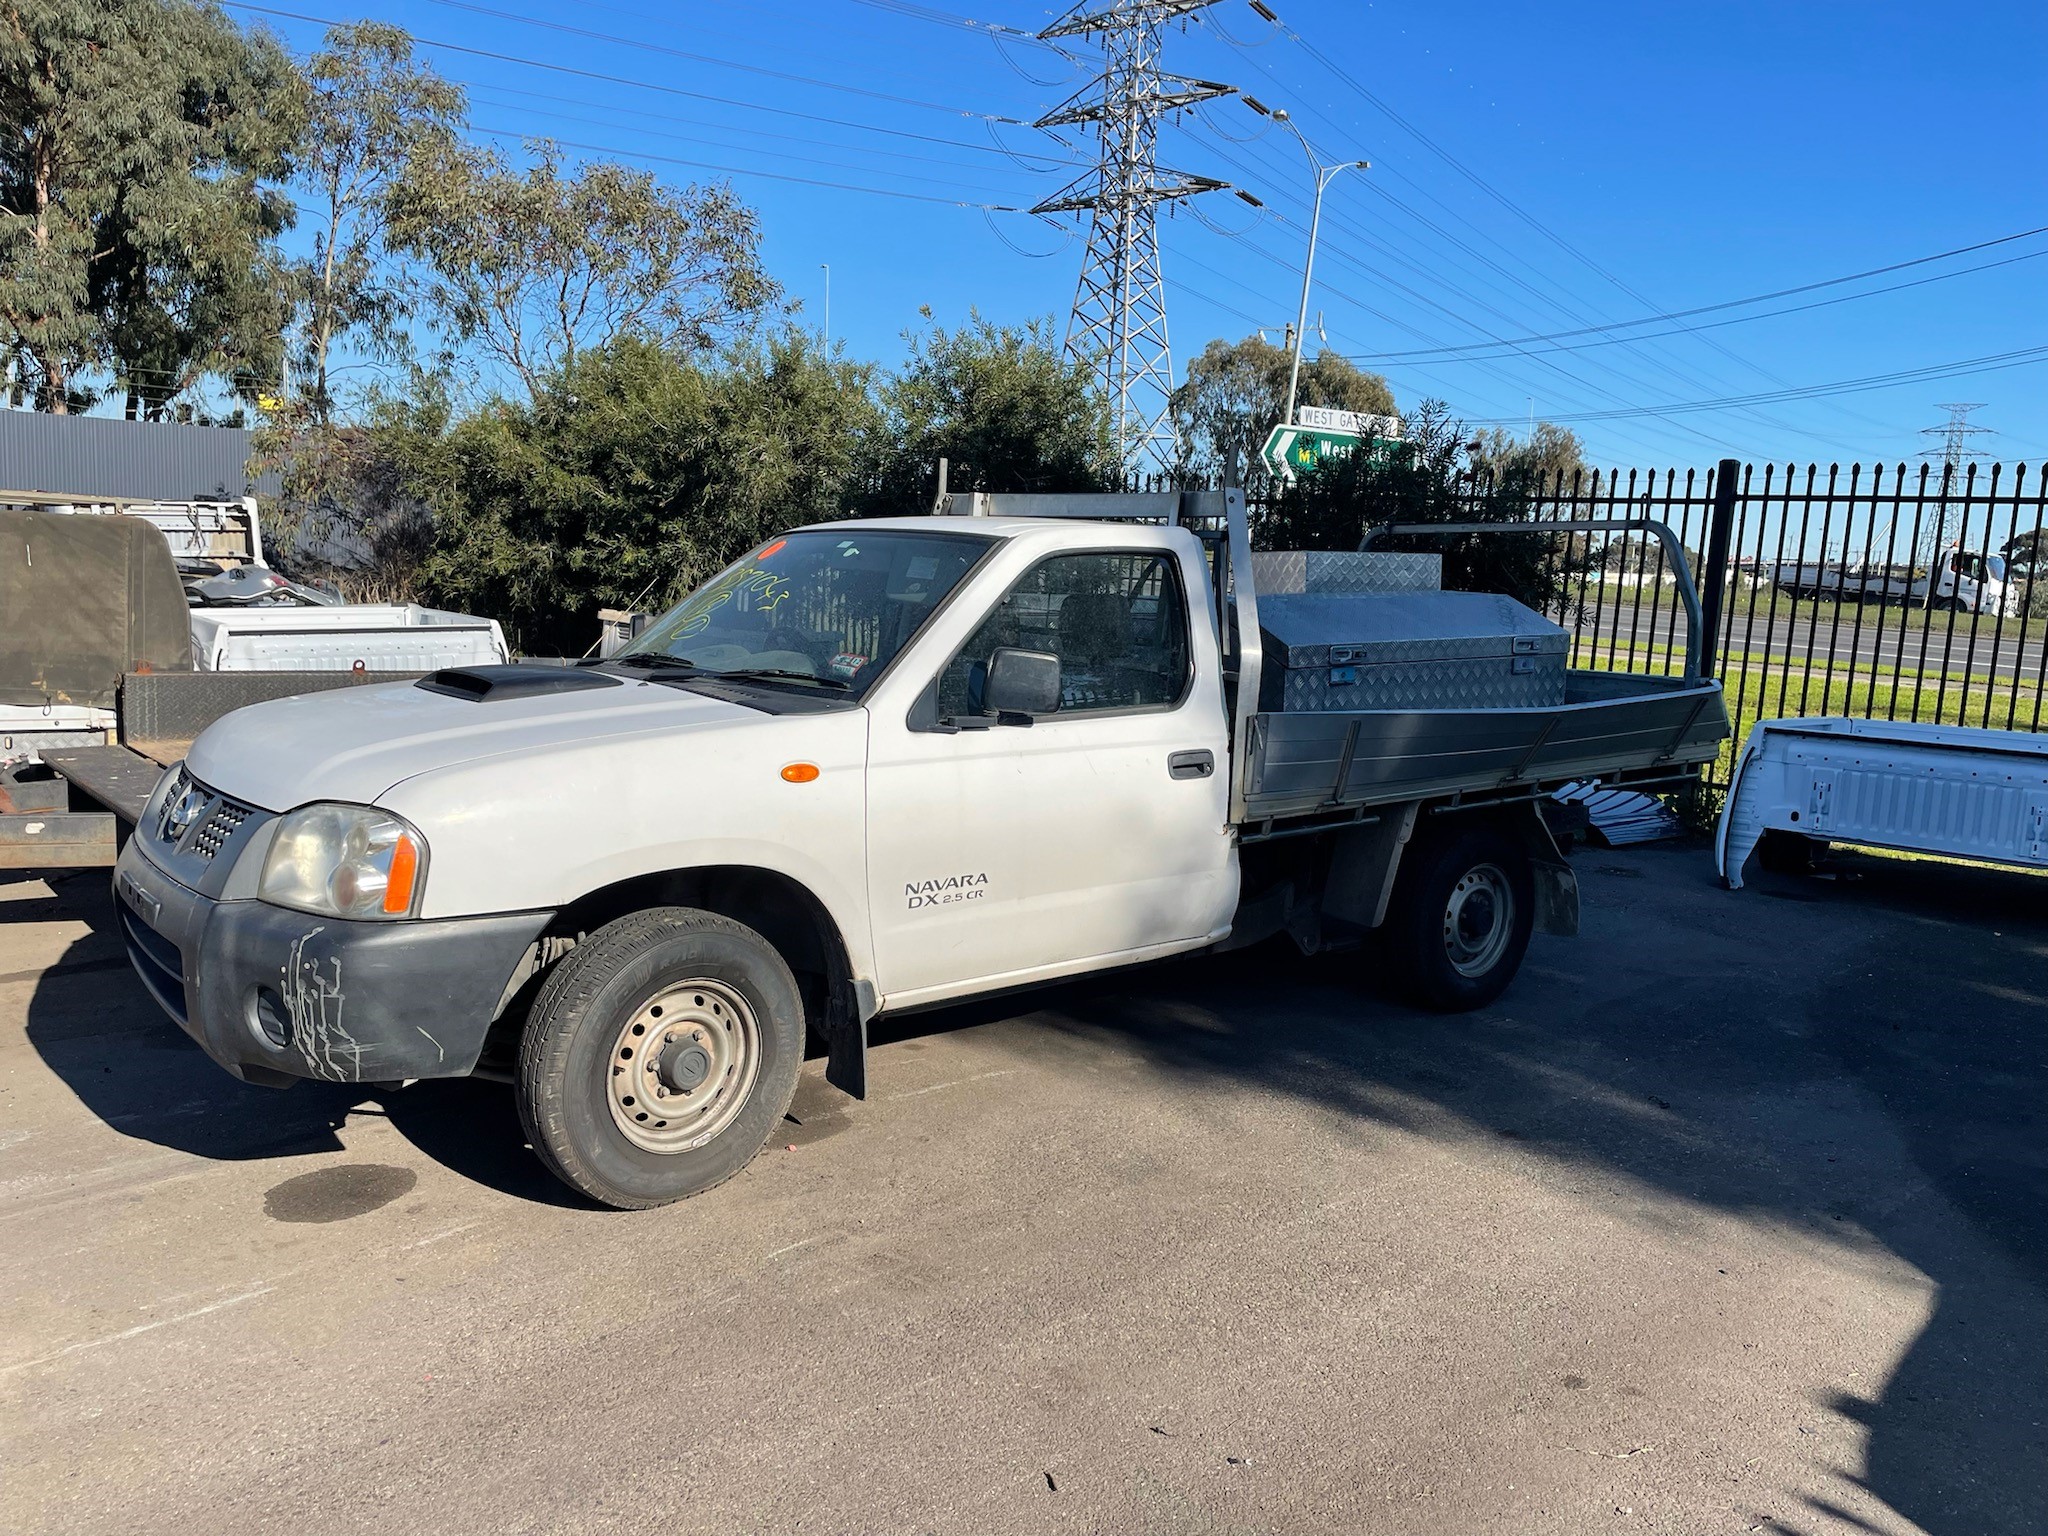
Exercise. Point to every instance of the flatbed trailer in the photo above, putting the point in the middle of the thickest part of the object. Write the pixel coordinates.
(72, 807)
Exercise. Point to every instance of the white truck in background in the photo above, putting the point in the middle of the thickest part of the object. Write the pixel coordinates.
(873, 766)
(1961, 581)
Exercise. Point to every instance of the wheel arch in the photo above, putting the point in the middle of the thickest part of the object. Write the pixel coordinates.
(838, 1000)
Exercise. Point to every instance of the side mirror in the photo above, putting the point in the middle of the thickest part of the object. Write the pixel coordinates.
(1021, 683)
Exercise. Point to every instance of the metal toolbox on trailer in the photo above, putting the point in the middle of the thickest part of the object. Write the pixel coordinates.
(1408, 650)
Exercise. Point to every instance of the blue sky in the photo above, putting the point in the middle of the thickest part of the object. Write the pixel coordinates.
(1536, 170)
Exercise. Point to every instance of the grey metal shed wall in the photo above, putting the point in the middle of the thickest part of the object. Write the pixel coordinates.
(99, 458)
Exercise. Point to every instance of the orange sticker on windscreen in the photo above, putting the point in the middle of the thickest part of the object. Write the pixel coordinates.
(771, 549)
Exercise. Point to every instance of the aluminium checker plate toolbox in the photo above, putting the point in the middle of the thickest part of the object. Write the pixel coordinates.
(1408, 650)
(1276, 572)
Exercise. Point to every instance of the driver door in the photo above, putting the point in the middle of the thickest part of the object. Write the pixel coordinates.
(1099, 832)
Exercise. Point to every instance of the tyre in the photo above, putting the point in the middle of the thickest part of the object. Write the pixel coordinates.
(1789, 853)
(1464, 906)
(659, 1056)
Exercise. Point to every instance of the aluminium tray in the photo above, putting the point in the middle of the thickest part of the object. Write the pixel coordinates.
(1300, 763)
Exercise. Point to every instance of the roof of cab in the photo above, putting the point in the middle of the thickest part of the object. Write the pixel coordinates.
(995, 527)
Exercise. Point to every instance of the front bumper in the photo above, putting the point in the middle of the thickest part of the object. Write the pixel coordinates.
(274, 995)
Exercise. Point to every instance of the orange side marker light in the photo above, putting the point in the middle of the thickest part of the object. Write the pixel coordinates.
(800, 773)
(405, 868)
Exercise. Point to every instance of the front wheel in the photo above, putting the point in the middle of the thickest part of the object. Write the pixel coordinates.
(659, 1057)
(1464, 907)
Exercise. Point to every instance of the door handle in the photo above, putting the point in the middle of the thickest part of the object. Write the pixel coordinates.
(1191, 765)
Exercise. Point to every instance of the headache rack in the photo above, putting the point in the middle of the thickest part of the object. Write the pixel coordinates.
(1297, 771)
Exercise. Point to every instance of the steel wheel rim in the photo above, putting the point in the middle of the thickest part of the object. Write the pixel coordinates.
(1479, 919)
(683, 1066)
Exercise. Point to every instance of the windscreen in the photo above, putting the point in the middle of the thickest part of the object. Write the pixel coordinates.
(826, 608)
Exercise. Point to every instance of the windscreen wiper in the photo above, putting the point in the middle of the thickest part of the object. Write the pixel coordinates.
(778, 673)
(651, 659)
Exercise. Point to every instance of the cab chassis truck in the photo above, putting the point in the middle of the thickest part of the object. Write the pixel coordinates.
(873, 767)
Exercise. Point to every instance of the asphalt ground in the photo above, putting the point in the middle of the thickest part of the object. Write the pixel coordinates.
(1730, 1217)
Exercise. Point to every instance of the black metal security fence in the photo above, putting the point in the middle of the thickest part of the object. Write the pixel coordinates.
(1892, 592)
(1896, 592)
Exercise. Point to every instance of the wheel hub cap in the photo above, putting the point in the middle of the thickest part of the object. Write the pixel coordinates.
(1479, 919)
(683, 1066)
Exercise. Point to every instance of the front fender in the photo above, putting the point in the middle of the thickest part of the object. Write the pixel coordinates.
(542, 830)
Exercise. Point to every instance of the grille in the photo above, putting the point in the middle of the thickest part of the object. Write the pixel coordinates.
(207, 821)
(215, 828)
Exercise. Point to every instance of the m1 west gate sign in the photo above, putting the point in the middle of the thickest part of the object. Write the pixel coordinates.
(1319, 433)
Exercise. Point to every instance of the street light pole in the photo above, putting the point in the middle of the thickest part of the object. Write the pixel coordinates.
(827, 267)
(1324, 174)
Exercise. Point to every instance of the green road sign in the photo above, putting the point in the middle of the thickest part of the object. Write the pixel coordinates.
(1290, 450)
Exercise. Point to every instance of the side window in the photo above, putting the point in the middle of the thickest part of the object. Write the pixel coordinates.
(1117, 622)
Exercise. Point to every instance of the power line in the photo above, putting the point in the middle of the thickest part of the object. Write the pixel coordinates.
(1435, 275)
(1780, 293)
(1512, 274)
(705, 58)
(1287, 265)
(637, 84)
(735, 170)
(778, 154)
(1473, 349)
(1341, 255)
(1488, 188)
(1992, 363)
(1046, 162)
(947, 18)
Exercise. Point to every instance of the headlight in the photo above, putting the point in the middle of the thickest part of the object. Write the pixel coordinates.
(345, 861)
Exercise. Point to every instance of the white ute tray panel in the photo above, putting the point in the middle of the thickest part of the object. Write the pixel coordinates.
(383, 637)
(1948, 789)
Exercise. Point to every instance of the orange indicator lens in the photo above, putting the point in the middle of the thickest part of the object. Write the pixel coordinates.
(405, 868)
(800, 773)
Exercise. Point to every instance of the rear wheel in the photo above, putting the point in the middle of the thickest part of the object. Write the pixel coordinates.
(659, 1057)
(1463, 909)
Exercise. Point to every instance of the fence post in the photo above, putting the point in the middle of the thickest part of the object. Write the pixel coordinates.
(1720, 528)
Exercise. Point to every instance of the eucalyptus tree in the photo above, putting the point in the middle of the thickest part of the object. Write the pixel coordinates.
(536, 264)
(142, 143)
(375, 115)
(1236, 392)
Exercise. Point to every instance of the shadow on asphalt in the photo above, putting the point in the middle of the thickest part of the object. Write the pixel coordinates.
(138, 1072)
(1674, 1049)
(1670, 1047)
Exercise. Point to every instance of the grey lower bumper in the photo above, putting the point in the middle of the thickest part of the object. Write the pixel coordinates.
(274, 995)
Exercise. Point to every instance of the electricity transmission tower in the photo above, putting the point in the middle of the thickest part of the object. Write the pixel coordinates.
(1118, 324)
(1955, 435)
